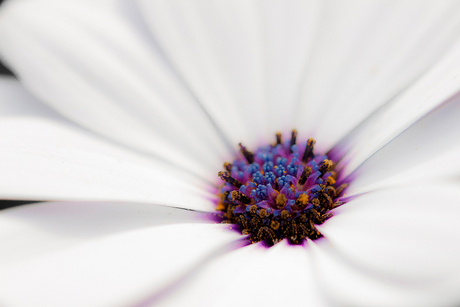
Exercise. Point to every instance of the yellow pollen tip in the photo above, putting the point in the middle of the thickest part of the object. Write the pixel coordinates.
(263, 213)
(303, 199)
(315, 202)
(284, 214)
(275, 225)
(328, 164)
(220, 206)
(281, 200)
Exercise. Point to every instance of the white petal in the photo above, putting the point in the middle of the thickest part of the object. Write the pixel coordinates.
(46, 160)
(217, 47)
(253, 276)
(427, 150)
(31, 231)
(95, 63)
(289, 36)
(409, 236)
(15, 101)
(439, 85)
(444, 168)
(347, 284)
(366, 53)
(113, 271)
(46, 157)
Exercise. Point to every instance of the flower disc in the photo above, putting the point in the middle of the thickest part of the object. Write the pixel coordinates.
(281, 191)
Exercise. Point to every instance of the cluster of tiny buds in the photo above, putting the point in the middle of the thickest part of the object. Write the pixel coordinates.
(279, 191)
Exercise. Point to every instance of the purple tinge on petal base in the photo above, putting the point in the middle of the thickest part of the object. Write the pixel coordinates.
(281, 191)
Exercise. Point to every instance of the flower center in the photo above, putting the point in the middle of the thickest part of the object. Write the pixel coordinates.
(281, 191)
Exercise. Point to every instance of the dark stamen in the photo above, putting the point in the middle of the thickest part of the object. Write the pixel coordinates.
(325, 166)
(329, 201)
(340, 189)
(293, 139)
(324, 217)
(305, 174)
(264, 232)
(230, 210)
(314, 231)
(228, 166)
(242, 221)
(293, 231)
(229, 179)
(308, 153)
(331, 191)
(315, 213)
(247, 154)
(304, 230)
(278, 139)
(239, 196)
(337, 204)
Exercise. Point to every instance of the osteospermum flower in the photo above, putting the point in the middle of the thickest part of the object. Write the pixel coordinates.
(127, 111)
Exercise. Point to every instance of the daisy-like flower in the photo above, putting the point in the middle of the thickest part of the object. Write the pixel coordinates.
(125, 112)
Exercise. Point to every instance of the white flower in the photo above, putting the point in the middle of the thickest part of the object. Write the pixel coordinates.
(144, 100)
